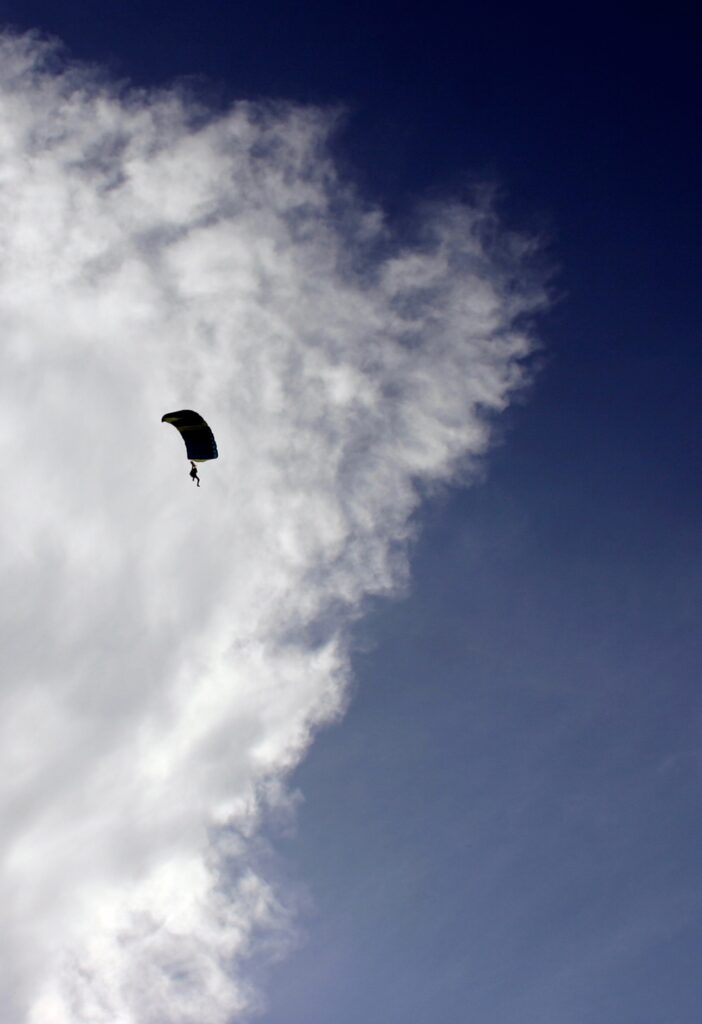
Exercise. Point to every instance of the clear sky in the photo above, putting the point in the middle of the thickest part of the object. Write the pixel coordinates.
(499, 611)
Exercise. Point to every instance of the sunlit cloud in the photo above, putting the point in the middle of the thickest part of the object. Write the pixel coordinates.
(169, 651)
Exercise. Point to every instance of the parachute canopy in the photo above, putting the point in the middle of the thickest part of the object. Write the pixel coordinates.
(200, 444)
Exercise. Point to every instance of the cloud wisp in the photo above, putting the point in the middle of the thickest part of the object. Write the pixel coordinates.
(168, 652)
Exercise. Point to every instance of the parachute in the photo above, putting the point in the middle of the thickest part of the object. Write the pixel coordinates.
(200, 444)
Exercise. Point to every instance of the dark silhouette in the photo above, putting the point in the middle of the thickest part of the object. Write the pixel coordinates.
(200, 444)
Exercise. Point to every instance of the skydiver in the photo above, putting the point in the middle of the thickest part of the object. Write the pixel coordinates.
(193, 473)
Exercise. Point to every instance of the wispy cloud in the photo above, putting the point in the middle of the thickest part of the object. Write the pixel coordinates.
(168, 652)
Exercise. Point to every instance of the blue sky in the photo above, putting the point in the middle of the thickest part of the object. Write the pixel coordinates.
(505, 824)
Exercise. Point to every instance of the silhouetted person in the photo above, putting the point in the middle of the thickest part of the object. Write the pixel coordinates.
(193, 474)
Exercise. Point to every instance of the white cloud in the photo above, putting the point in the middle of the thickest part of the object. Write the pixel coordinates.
(158, 678)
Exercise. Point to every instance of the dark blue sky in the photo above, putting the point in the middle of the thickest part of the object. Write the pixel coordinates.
(507, 827)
